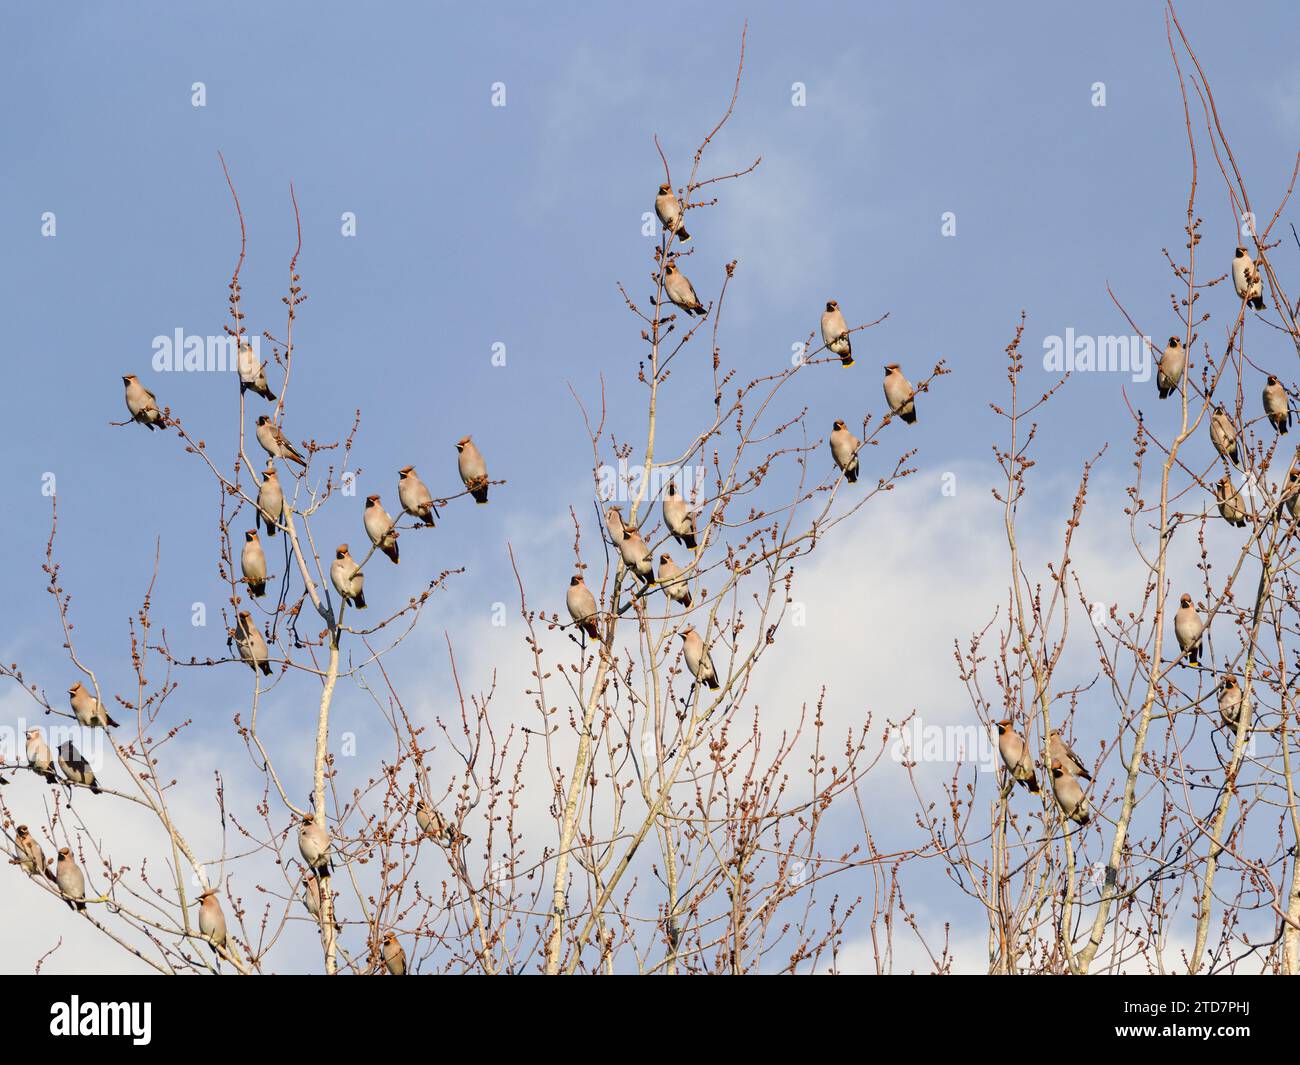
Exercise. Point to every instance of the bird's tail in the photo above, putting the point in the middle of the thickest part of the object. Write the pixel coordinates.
(1258, 303)
(851, 474)
(265, 668)
(270, 526)
(256, 588)
(687, 601)
(479, 494)
(50, 876)
(359, 600)
(682, 235)
(591, 629)
(688, 541)
(94, 790)
(111, 722)
(389, 547)
(1032, 783)
(910, 416)
(846, 360)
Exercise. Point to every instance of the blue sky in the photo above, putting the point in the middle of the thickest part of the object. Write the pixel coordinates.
(479, 225)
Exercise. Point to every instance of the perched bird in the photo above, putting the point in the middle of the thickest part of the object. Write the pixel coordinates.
(835, 333)
(1291, 492)
(844, 450)
(275, 443)
(270, 499)
(1069, 795)
(899, 394)
(1169, 371)
(1276, 406)
(394, 955)
(681, 291)
(142, 404)
(379, 527)
(1188, 629)
(212, 922)
(1060, 751)
(473, 469)
(76, 768)
(252, 560)
(1016, 756)
(89, 710)
(39, 756)
(698, 660)
(31, 859)
(614, 523)
(1230, 503)
(636, 554)
(414, 496)
(672, 581)
(314, 844)
(1230, 702)
(252, 644)
(71, 880)
(348, 579)
(252, 373)
(1246, 280)
(1223, 434)
(431, 821)
(311, 898)
(678, 518)
(582, 606)
(670, 213)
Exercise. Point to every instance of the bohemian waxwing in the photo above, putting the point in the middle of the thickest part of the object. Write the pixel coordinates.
(270, 499)
(89, 710)
(1291, 492)
(252, 560)
(379, 527)
(76, 768)
(899, 394)
(314, 845)
(582, 606)
(844, 450)
(1016, 756)
(681, 291)
(414, 496)
(212, 922)
(698, 660)
(835, 333)
(39, 756)
(614, 523)
(636, 554)
(311, 898)
(251, 644)
(473, 469)
(673, 583)
(71, 880)
(1169, 371)
(394, 955)
(1060, 751)
(670, 213)
(1230, 702)
(431, 821)
(142, 404)
(1246, 281)
(678, 518)
(1276, 406)
(1188, 629)
(275, 443)
(1231, 506)
(1069, 795)
(31, 859)
(252, 373)
(348, 579)
(1223, 434)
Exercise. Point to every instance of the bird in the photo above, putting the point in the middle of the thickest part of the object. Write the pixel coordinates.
(394, 955)
(212, 922)
(582, 606)
(89, 710)
(1230, 702)
(1060, 751)
(71, 880)
(414, 496)
(670, 213)
(1223, 434)
(672, 581)
(431, 821)
(678, 518)
(835, 333)
(1016, 756)
(31, 859)
(252, 373)
(348, 579)
(636, 554)
(314, 845)
(252, 644)
(275, 443)
(1246, 280)
(1169, 371)
(681, 291)
(39, 756)
(142, 404)
(270, 499)
(473, 469)
(1276, 406)
(1291, 492)
(844, 450)
(252, 560)
(76, 768)
(899, 394)
(1230, 503)
(1069, 795)
(698, 659)
(379, 527)
(614, 523)
(1188, 629)
(311, 898)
